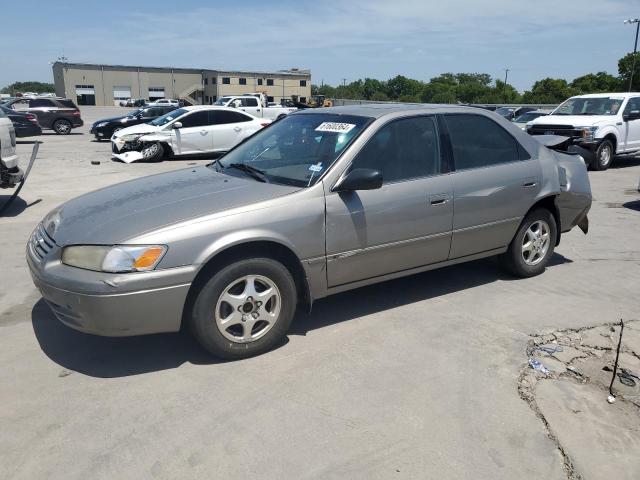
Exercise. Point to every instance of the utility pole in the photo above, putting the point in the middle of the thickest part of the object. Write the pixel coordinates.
(635, 48)
(344, 82)
(504, 87)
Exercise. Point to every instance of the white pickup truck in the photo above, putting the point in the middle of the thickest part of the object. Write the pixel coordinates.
(605, 123)
(252, 105)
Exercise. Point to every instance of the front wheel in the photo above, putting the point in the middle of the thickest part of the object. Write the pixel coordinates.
(533, 245)
(153, 152)
(604, 155)
(244, 309)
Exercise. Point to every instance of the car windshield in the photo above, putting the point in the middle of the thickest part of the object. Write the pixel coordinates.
(222, 101)
(589, 106)
(167, 117)
(297, 149)
(504, 111)
(527, 117)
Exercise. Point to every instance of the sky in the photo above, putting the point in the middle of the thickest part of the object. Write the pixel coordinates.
(337, 40)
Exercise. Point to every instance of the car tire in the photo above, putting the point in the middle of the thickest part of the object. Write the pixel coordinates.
(152, 152)
(244, 309)
(533, 244)
(62, 127)
(604, 156)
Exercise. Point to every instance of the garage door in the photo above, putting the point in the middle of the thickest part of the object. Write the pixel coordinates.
(156, 92)
(85, 94)
(121, 93)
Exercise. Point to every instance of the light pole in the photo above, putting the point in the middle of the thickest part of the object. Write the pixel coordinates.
(635, 47)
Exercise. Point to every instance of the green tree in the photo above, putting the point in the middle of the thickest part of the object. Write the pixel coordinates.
(625, 66)
(32, 86)
(548, 90)
(596, 82)
(401, 86)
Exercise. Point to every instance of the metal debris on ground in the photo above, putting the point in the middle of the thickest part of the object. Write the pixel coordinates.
(538, 366)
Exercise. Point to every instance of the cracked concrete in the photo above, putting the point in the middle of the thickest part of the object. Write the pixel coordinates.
(597, 440)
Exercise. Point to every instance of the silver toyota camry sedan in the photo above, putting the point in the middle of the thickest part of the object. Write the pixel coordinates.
(320, 202)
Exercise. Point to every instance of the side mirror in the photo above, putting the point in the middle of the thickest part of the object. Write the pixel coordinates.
(360, 179)
(177, 125)
(632, 115)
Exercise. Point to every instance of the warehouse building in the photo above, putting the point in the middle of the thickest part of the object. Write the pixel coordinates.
(91, 84)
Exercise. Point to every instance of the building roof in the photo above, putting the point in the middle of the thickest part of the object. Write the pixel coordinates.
(292, 72)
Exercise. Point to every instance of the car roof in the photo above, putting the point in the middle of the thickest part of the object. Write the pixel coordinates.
(213, 107)
(377, 110)
(605, 94)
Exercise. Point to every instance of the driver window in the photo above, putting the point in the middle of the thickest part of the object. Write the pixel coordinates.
(403, 150)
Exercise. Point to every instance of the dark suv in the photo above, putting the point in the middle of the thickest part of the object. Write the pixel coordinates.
(105, 128)
(57, 114)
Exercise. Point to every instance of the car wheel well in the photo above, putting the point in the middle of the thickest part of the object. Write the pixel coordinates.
(549, 203)
(265, 249)
(612, 138)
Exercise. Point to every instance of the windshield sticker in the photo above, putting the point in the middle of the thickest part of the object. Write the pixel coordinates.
(316, 168)
(335, 127)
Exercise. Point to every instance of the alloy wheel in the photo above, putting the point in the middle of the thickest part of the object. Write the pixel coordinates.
(535, 243)
(248, 308)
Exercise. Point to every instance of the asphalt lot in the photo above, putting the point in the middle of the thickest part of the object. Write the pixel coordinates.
(414, 378)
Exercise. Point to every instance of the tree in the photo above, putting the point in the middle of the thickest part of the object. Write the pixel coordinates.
(401, 86)
(548, 90)
(596, 82)
(31, 86)
(625, 66)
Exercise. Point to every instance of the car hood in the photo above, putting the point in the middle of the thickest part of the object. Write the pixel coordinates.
(124, 211)
(110, 119)
(141, 128)
(575, 120)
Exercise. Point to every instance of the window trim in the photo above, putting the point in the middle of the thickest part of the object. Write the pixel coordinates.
(519, 147)
(388, 122)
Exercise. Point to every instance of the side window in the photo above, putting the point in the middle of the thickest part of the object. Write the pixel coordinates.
(20, 105)
(480, 142)
(196, 119)
(147, 112)
(403, 149)
(222, 117)
(632, 104)
(249, 102)
(40, 102)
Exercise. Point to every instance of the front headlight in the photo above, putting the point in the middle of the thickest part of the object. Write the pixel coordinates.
(101, 124)
(131, 137)
(114, 259)
(588, 133)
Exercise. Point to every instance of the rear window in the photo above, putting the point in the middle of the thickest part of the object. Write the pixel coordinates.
(67, 104)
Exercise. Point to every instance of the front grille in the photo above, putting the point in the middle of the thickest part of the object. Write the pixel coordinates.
(563, 130)
(41, 242)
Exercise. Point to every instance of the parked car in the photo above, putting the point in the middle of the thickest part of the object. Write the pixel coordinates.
(10, 173)
(135, 102)
(105, 128)
(24, 124)
(324, 200)
(605, 123)
(506, 112)
(165, 101)
(522, 120)
(57, 114)
(251, 104)
(185, 131)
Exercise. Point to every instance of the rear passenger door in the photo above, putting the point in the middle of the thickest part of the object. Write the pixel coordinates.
(228, 128)
(494, 184)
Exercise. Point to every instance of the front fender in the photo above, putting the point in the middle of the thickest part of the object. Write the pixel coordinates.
(156, 137)
(608, 130)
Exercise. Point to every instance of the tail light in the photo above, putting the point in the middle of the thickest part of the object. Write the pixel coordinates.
(76, 113)
(265, 124)
(32, 118)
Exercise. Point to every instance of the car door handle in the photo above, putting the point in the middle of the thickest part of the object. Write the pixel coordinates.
(257, 110)
(237, 129)
(439, 199)
(203, 132)
(529, 184)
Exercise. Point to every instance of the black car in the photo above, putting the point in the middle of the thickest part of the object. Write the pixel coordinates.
(24, 124)
(105, 128)
(57, 114)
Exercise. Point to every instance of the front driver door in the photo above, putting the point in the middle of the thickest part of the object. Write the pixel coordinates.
(403, 225)
(194, 135)
(631, 127)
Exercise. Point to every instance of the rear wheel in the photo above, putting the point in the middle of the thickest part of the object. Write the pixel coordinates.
(604, 155)
(533, 245)
(244, 309)
(62, 127)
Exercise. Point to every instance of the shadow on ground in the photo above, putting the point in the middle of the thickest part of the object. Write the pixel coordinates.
(107, 357)
(625, 162)
(16, 207)
(635, 205)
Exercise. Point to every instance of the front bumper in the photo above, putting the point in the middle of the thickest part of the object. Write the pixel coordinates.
(107, 304)
(25, 130)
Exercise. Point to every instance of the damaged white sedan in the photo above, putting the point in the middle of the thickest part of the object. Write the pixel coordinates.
(185, 131)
